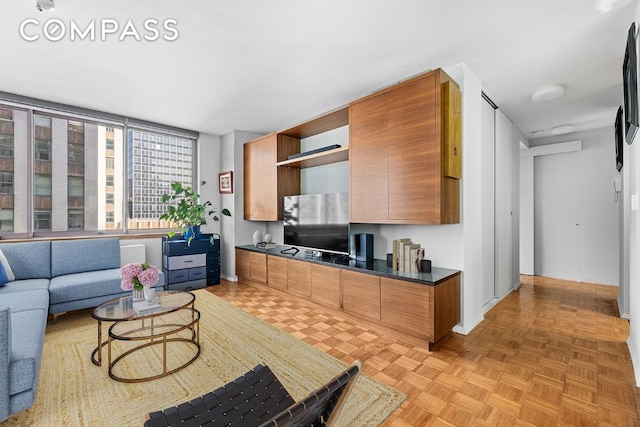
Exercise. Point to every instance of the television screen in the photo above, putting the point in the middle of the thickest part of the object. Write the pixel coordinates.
(619, 139)
(317, 221)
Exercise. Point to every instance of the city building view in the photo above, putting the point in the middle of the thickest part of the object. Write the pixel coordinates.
(68, 175)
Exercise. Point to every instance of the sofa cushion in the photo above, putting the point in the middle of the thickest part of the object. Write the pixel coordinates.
(27, 333)
(79, 286)
(76, 256)
(25, 285)
(35, 299)
(29, 260)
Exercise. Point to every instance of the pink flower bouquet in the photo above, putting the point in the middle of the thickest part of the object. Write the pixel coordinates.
(135, 276)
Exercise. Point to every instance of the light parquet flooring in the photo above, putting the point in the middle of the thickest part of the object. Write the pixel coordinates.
(551, 353)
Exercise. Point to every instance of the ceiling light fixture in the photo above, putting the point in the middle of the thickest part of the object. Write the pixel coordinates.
(45, 5)
(547, 93)
(605, 6)
(561, 130)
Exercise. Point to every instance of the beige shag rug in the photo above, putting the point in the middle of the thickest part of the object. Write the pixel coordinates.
(74, 392)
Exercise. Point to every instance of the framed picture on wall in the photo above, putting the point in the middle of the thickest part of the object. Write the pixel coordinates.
(225, 182)
(630, 80)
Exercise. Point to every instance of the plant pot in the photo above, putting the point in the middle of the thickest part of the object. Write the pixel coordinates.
(137, 295)
(149, 293)
(191, 233)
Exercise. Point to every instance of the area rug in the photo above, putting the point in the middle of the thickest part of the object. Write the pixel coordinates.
(74, 392)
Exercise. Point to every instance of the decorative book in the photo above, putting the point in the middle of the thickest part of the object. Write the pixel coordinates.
(144, 307)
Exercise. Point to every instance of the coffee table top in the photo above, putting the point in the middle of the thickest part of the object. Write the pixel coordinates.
(122, 308)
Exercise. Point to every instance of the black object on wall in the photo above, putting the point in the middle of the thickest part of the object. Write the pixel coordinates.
(630, 79)
(618, 139)
(364, 247)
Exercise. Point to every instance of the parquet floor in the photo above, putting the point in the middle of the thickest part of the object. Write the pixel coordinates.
(551, 353)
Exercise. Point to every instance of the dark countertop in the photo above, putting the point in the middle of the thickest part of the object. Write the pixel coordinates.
(376, 267)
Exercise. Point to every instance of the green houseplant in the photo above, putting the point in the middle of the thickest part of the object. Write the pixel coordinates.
(189, 214)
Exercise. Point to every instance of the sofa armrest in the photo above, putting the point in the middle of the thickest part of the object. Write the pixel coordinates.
(5, 355)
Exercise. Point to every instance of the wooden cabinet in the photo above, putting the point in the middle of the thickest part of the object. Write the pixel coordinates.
(251, 266)
(265, 185)
(277, 268)
(397, 152)
(325, 286)
(421, 311)
(407, 307)
(361, 294)
(299, 278)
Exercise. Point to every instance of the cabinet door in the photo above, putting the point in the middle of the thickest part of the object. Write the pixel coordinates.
(414, 152)
(299, 278)
(260, 179)
(243, 264)
(325, 285)
(446, 307)
(361, 294)
(407, 307)
(277, 268)
(368, 169)
(258, 267)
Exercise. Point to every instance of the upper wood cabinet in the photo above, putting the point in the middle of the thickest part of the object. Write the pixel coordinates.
(265, 185)
(400, 169)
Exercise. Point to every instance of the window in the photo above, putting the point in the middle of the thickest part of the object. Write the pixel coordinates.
(76, 186)
(43, 149)
(6, 182)
(6, 220)
(75, 219)
(42, 186)
(42, 220)
(52, 195)
(6, 145)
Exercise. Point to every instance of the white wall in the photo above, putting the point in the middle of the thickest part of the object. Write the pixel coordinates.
(576, 217)
(527, 229)
(632, 180)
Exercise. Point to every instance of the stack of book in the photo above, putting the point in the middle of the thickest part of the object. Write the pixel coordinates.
(407, 255)
(144, 307)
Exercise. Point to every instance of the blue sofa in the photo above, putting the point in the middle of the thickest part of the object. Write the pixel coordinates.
(51, 277)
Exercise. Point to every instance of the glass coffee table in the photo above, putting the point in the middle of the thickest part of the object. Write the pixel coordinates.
(171, 319)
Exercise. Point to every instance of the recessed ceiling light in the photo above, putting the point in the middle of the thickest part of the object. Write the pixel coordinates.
(45, 5)
(561, 130)
(604, 6)
(546, 93)
(537, 133)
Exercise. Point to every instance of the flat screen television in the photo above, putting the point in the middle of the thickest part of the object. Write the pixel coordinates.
(317, 221)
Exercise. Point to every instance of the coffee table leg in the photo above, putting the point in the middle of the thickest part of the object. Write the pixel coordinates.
(99, 347)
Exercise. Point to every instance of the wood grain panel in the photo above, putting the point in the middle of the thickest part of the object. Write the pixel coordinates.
(299, 281)
(277, 272)
(361, 294)
(414, 167)
(288, 178)
(260, 179)
(325, 285)
(452, 129)
(446, 307)
(368, 168)
(324, 123)
(243, 264)
(407, 307)
(258, 267)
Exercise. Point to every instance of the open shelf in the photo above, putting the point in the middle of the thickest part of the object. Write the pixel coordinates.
(318, 159)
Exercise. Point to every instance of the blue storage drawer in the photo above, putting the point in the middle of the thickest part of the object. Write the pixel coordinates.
(177, 276)
(197, 273)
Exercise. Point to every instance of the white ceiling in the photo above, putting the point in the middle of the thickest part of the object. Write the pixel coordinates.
(261, 65)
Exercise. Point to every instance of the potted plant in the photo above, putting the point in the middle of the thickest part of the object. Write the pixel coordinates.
(189, 214)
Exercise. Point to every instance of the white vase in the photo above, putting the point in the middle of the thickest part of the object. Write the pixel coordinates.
(137, 295)
(267, 238)
(149, 293)
(257, 237)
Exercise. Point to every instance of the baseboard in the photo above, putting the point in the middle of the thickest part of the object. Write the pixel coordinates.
(635, 359)
(622, 315)
(229, 278)
(490, 304)
(465, 327)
